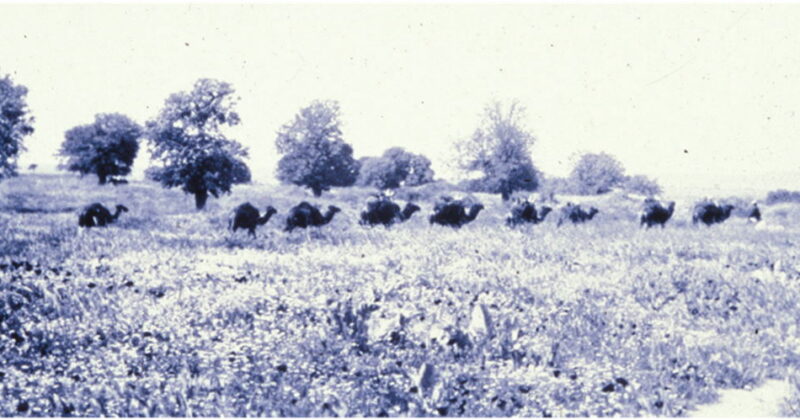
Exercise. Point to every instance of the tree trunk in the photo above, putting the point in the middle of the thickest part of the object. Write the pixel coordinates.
(200, 199)
(102, 178)
(316, 190)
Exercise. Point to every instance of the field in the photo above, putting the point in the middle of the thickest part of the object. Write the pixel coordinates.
(167, 314)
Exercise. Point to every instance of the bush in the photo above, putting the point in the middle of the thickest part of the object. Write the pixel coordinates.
(783, 196)
(597, 173)
(429, 192)
(395, 168)
(557, 186)
(640, 184)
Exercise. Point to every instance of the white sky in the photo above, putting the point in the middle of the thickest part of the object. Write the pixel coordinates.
(642, 82)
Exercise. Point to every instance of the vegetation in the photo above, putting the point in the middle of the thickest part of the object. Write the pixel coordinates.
(597, 173)
(164, 313)
(188, 143)
(397, 167)
(314, 154)
(16, 122)
(105, 148)
(499, 150)
(640, 184)
(783, 196)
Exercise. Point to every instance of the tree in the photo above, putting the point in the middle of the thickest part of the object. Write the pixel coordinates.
(314, 154)
(395, 168)
(15, 123)
(500, 149)
(597, 173)
(105, 148)
(188, 142)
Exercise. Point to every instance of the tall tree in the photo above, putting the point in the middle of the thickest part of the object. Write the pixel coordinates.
(105, 148)
(16, 122)
(500, 149)
(314, 154)
(188, 143)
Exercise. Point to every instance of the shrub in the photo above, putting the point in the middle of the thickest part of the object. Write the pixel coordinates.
(395, 168)
(429, 192)
(597, 173)
(640, 184)
(783, 196)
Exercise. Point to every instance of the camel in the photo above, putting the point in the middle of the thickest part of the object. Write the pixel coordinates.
(654, 213)
(453, 213)
(246, 216)
(710, 213)
(386, 212)
(304, 215)
(97, 214)
(575, 214)
(526, 212)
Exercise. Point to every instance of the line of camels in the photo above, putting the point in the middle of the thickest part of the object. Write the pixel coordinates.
(382, 210)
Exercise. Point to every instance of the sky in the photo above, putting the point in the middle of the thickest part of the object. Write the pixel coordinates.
(702, 97)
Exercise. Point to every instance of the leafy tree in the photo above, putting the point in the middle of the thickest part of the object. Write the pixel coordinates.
(314, 154)
(597, 173)
(395, 168)
(500, 149)
(15, 123)
(188, 141)
(105, 148)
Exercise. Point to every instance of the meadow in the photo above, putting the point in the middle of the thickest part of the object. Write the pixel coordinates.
(166, 313)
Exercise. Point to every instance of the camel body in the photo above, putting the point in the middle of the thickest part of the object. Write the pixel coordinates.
(526, 212)
(576, 214)
(385, 212)
(304, 215)
(654, 213)
(711, 213)
(97, 214)
(453, 213)
(246, 216)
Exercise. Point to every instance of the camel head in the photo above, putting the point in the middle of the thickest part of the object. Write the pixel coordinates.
(410, 209)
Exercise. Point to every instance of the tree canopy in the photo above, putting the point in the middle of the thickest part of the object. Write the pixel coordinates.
(500, 149)
(16, 122)
(105, 148)
(597, 173)
(188, 142)
(314, 154)
(395, 168)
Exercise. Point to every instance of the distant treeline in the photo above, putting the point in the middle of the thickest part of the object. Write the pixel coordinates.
(191, 150)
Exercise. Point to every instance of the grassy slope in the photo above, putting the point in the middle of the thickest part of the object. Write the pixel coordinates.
(167, 313)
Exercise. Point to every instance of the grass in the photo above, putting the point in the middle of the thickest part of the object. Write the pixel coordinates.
(166, 313)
